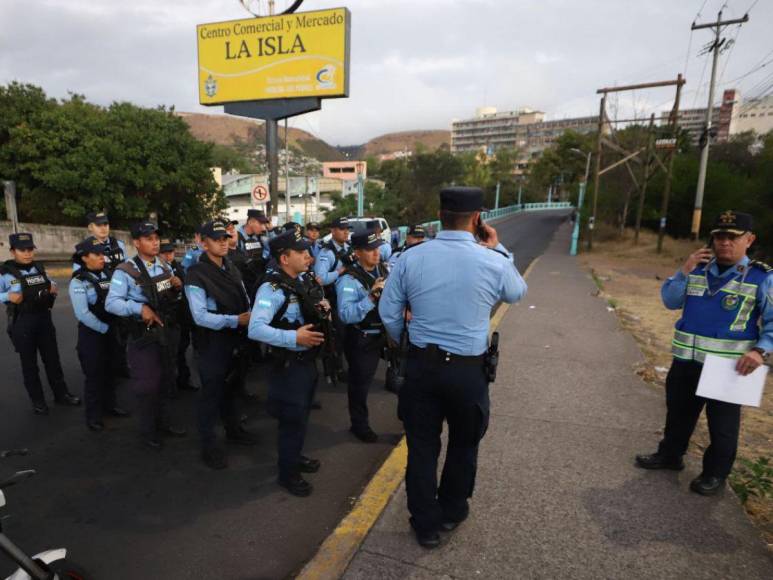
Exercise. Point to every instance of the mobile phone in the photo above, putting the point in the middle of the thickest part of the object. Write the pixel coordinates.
(481, 231)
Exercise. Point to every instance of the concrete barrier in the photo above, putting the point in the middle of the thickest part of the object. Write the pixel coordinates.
(54, 243)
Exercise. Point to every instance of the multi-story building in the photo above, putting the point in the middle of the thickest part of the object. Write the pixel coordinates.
(722, 119)
(524, 129)
(754, 115)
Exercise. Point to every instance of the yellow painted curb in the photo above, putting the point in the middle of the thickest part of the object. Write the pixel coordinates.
(333, 557)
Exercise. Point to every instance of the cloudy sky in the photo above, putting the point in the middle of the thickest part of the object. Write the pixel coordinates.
(416, 64)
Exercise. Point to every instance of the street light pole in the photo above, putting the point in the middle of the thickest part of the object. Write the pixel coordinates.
(583, 186)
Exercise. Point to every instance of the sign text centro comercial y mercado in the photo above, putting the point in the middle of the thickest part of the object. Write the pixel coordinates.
(277, 57)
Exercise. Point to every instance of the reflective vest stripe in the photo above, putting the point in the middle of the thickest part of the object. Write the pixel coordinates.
(695, 347)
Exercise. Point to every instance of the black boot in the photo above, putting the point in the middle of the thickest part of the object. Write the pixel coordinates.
(658, 461)
(707, 485)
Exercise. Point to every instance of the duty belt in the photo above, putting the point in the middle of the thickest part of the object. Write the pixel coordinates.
(434, 353)
(688, 346)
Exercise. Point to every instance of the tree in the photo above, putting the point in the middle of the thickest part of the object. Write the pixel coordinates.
(72, 157)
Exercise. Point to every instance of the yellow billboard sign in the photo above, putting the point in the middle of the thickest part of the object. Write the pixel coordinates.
(305, 54)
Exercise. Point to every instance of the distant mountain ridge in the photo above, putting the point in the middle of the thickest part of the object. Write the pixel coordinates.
(228, 130)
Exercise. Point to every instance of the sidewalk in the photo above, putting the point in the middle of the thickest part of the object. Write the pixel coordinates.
(557, 495)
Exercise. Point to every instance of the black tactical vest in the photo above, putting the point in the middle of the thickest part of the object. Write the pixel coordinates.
(372, 320)
(35, 288)
(102, 287)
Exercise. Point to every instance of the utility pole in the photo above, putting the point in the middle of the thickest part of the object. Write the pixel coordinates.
(674, 125)
(715, 48)
(496, 201)
(643, 192)
(597, 170)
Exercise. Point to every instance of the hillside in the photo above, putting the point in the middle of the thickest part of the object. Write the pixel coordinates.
(402, 141)
(227, 130)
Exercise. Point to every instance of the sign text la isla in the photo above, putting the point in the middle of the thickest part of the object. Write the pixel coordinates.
(269, 46)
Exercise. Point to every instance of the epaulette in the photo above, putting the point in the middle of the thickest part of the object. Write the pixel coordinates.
(761, 265)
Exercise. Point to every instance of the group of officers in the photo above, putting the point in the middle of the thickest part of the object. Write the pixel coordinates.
(242, 295)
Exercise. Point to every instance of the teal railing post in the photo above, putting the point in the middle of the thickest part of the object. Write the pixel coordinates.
(576, 230)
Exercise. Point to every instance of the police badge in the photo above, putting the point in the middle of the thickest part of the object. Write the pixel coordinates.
(210, 86)
(730, 302)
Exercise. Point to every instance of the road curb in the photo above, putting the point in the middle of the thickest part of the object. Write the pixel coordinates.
(336, 552)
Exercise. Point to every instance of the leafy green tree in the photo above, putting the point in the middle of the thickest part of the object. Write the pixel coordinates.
(72, 157)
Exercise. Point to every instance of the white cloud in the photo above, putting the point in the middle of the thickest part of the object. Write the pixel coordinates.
(415, 65)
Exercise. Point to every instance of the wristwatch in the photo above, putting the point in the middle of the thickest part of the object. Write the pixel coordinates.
(763, 353)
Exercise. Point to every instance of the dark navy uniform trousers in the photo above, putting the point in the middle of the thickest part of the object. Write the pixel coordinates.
(683, 408)
(34, 332)
(436, 391)
(291, 386)
(95, 353)
(362, 355)
(220, 383)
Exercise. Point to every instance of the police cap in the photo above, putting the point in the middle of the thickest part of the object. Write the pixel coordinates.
(257, 214)
(313, 226)
(340, 223)
(90, 245)
(461, 199)
(366, 240)
(97, 217)
(733, 222)
(21, 241)
(167, 246)
(289, 240)
(417, 231)
(141, 229)
(214, 230)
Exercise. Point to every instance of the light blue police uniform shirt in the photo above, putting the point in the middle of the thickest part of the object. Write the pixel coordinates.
(8, 283)
(393, 258)
(191, 257)
(674, 292)
(326, 260)
(268, 301)
(125, 297)
(83, 294)
(203, 309)
(451, 284)
(354, 301)
(385, 251)
(76, 266)
(316, 247)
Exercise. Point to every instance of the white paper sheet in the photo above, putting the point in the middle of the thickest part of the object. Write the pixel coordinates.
(720, 381)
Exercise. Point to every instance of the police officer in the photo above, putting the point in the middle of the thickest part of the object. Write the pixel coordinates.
(358, 291)
(727, 310)
(97, 332)
(335, 256)
(281, 317)
(253, 244)
(416, 235)
(192, 255)
(29, 295)
(448, 333)
(183, 381)
(146, 293)
(385, 251)
(221, 311)
(114, 249)
(312, 234)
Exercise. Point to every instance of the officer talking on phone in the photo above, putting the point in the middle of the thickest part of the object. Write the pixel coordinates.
(450, 362)
(727, 310)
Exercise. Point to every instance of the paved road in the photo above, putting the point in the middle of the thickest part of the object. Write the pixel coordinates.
(128, 514)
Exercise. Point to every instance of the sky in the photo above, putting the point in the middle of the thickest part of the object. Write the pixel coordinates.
(414, 64)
